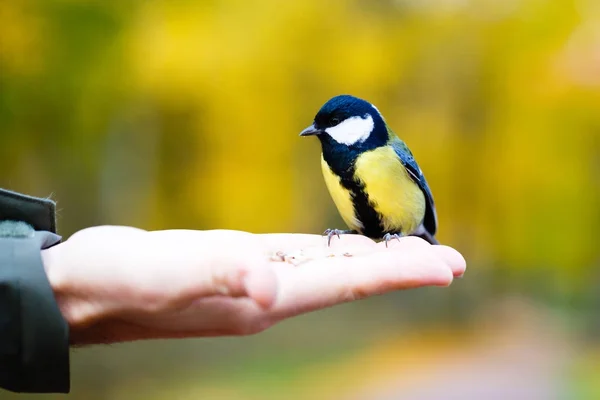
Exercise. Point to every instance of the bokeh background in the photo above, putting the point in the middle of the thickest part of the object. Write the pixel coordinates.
(185, 114)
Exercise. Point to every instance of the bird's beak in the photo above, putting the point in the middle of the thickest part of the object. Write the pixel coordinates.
(310, 131)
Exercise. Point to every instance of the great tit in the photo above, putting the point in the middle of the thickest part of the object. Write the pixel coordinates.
(372, 176)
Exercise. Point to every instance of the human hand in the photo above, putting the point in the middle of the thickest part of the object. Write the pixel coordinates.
(116, 284)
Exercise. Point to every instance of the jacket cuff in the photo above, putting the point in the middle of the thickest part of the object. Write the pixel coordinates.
(34, 337)
(36, 211)
(40, 335)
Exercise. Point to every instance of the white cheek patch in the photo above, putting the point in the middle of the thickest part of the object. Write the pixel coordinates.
(352, 130)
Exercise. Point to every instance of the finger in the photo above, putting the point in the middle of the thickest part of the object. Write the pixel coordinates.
(261, 286)
(294, 241)
(209, 263)
(325, 282)
(452, 258)
(244, 272)
(209, 316)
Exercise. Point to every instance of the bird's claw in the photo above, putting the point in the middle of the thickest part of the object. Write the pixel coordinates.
(389, 236)
(334, 232)
(330, 233)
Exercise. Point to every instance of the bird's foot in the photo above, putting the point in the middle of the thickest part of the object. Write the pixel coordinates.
(389, 236)
(336, 232)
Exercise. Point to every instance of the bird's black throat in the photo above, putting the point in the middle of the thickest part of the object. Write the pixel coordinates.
(342, 161)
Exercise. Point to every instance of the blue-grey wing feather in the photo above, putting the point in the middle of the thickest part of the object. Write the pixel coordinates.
(409, 162)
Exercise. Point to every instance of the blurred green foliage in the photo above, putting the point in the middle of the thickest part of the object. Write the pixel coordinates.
(185, 114)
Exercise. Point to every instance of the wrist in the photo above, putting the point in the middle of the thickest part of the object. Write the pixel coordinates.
(79, 313)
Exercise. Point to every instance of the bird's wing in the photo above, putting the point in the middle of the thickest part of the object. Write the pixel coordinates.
(409, 162)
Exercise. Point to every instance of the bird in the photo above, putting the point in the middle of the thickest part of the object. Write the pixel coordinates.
(372, 176)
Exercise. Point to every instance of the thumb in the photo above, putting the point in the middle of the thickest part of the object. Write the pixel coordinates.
(260, 284)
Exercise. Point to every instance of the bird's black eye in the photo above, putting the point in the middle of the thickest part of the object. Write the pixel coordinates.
(334, 121)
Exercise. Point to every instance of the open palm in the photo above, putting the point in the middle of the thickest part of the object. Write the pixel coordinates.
(183, 283)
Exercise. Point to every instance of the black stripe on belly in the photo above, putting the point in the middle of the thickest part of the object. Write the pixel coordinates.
(363, 209)
(365, 212)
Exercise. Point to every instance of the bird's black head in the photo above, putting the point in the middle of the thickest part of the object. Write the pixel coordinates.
(347, 122)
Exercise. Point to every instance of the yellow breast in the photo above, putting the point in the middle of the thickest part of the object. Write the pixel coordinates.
(341, 197)
(393, 193)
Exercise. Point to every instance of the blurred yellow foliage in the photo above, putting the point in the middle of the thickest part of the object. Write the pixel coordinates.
(185, 114)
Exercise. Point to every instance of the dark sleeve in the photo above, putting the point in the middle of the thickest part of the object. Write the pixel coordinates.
(34, 337)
